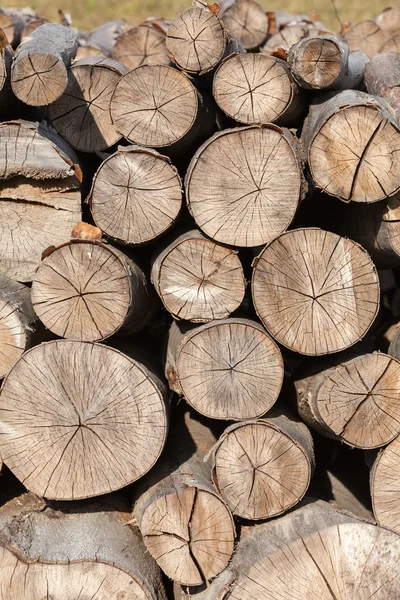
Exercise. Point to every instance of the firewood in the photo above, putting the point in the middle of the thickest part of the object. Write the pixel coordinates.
(143, 45)
(197, 279)
(389, 21)
(13, 21)
(104, 37)
(314, 291)
(39, 69)
(391, 45)
(248, 22)
(136, 195)
(243, 185)
(366, 36)
(257, 89)
(350, 140)
(185, 524)
(385, 488)
(285, 38)
(229, 369)
(263, 468)
(32, 25)
(95, 423)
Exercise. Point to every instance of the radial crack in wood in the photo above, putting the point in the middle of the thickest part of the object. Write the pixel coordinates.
(385, 486)
(366, 36)
(142, 45)
(248, 22)
(285, 38)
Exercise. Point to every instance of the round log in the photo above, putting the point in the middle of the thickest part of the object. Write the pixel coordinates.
(357, 401)
(366, 36)
(39, 69)
(13, 21)
(350, 139)
(197, 279)
(142, 45)
(228, 369)
(314, 291)
(104, 37)
(136, 195)
(243, 185)
(391, 45)
(32, 25)
(257, 89)
(385, 486)
(263, 468)
(82, 114)
(95, 423)
(389, 20)
(285, 38)
(248, 22)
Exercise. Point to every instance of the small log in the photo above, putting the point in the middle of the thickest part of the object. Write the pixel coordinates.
(64, 552)
(243, 185)
(263, 468)
(285, 38)
(39, 70)
(143, 45)
(229, 369)
(104, 37)
(385, 486)
(13, 21)
(350, 139)
(248, 22)
(82, 114)
(356, 401)
(32, 25)
(64, 441)
(314, 291)
(389, 21)
(393, 337)
(136, 195)
(158, 106)
(257, 89)
(185, 524)
(197, 279)
(198, 41)
(391, 45)
(366, 36)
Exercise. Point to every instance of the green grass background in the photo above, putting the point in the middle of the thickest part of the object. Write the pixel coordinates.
(87, 14)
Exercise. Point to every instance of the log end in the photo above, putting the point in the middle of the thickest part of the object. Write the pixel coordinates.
(38, 78)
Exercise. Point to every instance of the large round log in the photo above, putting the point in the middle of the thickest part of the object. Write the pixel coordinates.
(385, 486)
(366, 36)
(263, 468)
(243, 185)
(248, 22)
(136, 195)
(230, 369)
(350, 140)
(95, 422)
(382, 78)
(197, 279)
(143, 45)
(314, 291)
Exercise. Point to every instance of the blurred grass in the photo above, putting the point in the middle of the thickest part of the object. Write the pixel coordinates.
(87, 14)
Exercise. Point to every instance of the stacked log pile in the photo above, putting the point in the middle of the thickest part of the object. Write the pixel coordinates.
(199, 305)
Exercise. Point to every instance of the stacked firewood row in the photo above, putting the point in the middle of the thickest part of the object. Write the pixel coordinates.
(199, 307)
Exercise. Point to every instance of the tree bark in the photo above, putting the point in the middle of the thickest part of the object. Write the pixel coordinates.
(229, 369)
(136, 195)
(143, 45)
(350, 138)
(32, 25)
(95, 423)
(393, 337)
(61, 552)
(314, 291)
(262, 468)
(39, 69)
(366, 36)
(13, 21)
(248, 22)
(258, 89)
(185, 524)
(197, 279)
(82, 114)
(104, 37)
(385, 488)
(382, 78)
(243, 185)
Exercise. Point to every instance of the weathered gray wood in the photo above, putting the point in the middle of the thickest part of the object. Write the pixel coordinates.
(143, 45)
(13, 21)
(382, 78)
(105, 36)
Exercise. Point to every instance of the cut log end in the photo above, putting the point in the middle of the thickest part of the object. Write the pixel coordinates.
(366, 36)
(385, 487)
(12, 337)
(248, 22)
(38, 78)
(285, 39)
(141, 45)
(318, 62)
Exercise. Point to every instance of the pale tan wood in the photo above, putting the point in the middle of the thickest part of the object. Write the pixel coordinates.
(228, 369)
(104, 37)
(243, 185)
(6, 56)
(366, 36)
(32, 25)
(389, 20)
(385, 486)
(263, 468)
(248, 22)
(391, 45)
(13, 21)
(285, 38)
(197, 279)
(142, 45)
(382, 78)
(314, 291)
(136, 195)
(95, 422)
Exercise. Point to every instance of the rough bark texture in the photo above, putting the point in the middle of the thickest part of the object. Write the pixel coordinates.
(32, 25)
(257, 89)
(96, 421)
(136, 195)
(350, 139)
(243, 185)
(143, 45)
(385, 486)
(13, 21)
(248, 22)
(314, 291)
(197, 279)
(229, 369)
(366, 36)
(185, 524)
(382, 78)
(39, 69)
(263, 468)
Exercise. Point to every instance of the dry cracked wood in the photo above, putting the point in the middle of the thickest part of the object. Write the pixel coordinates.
(357, 401)
(243, 185)
(95, 422)
(39, 69)
(257, 89)
(185, 524)
(228, 369)
(285, 38)
(385, 486)
(352, 139)
(315, 291)
(13, 21)
(391, 45)
(248, 22)
(81, 115)
(382, 78)
(389, 21)
(366, 36)
(142, 45)
(88, 290)
(197, 279)
(74, 551)
(136, 195)
(263, 468)
(103, 38)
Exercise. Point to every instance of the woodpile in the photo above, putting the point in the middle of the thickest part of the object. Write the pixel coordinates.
(199, 307)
